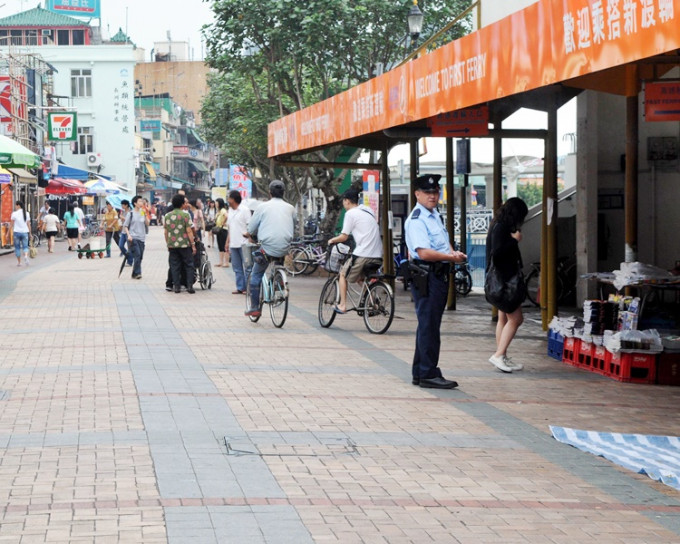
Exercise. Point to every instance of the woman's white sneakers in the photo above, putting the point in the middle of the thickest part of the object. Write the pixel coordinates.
(505, 364)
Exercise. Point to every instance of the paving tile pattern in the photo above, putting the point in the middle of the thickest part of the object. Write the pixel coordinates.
(129, 414)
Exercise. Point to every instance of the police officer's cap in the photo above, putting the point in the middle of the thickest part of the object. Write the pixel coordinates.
(428, 182)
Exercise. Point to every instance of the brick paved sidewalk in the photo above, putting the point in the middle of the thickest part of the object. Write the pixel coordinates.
(130, 414)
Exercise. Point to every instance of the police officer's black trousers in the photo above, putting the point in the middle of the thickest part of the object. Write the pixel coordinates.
(429, 310)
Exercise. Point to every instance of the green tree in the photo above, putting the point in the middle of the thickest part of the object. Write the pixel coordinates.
(274, 57)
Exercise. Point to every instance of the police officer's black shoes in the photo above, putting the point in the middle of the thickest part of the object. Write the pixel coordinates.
(437, 383)
(415, 381)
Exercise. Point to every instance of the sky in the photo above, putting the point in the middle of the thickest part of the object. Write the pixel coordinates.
(147, 21)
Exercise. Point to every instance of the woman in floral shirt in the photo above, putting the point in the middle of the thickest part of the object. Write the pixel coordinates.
(179, 237)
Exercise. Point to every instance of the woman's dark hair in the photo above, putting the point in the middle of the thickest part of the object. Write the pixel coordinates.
(125, 203)
(50, 211)
(235, 196)
(512, 213)
(71, 209)
(220, 203)
(135, 199)
(21, 205)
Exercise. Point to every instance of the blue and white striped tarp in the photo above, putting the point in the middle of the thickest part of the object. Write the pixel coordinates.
(656, 456)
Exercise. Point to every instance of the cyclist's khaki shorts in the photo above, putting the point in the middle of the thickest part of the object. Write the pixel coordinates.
(353, 269)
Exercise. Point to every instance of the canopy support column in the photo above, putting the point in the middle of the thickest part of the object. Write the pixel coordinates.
(385, 216)
(450, 224)
(413, 148)
(549, 273)
(631, 184)
(497, 182)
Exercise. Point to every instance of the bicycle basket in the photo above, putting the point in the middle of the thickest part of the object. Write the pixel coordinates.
(336, 255)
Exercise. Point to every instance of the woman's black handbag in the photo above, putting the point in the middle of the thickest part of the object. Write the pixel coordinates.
(508, 295)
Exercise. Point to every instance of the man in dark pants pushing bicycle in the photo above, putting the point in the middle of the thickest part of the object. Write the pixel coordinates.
(432, 255)
(361, 224)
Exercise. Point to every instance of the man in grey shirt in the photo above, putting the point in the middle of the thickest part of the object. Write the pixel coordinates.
(135, 226)
(274, 225)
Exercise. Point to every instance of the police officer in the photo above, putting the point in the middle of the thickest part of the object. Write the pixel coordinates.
(431, 254)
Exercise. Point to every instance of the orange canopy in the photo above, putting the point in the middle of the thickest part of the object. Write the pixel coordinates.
(548, 42)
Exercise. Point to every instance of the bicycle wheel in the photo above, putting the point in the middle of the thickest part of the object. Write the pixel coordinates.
(278, 306)
(35, 240)
(533, 283)
(86, 233)
(249, 307)
(205, 275)
(327, 301)
(379, 308)
(463, 281)
(313, 260)
(296, 261)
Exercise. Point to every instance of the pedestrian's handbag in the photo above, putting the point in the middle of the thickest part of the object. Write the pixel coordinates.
(216, 230)
(508, 295)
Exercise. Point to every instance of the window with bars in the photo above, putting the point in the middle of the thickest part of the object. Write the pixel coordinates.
(81, 83)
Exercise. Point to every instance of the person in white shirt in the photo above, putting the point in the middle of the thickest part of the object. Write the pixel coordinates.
(361, 224)
(51, 226)
(237, 223)
(20, 223)
(81, 219)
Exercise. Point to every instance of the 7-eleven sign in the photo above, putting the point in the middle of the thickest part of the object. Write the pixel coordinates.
(62, 126)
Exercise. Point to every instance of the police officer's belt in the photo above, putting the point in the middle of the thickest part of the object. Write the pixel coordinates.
(438, 268)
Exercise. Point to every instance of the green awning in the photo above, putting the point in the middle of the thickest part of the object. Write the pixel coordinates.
(200, 167)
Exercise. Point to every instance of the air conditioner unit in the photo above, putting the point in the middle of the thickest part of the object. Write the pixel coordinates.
(94, 159)
(46, 32)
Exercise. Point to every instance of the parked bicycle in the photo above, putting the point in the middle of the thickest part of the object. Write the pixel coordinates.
(566, 281)
(273, 289)
(374, 301)
(462, 278)
(305, 257)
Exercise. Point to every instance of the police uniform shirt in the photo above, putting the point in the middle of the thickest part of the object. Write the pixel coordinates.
(424, 229)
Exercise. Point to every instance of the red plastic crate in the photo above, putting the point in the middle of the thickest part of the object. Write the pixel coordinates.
(584, 355)
(633, 367)
(569, 350)
(600, 358)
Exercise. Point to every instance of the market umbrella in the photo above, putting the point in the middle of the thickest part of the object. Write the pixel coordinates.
(15, 155)
(63, 186)
(102, 187)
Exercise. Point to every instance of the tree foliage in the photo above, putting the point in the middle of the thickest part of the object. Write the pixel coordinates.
(273, 57)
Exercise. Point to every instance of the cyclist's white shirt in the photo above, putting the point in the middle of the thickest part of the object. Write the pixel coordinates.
(237, 222)
(360, 223)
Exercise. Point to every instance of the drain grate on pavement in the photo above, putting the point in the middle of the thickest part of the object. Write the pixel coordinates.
(330, 447)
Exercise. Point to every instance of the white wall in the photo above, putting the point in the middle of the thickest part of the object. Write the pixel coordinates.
(112, 76)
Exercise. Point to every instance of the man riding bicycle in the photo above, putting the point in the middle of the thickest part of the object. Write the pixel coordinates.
(273, 223)
(361, 224)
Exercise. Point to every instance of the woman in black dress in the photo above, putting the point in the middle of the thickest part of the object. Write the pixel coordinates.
(502, 245)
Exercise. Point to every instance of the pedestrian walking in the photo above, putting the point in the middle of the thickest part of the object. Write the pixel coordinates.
(432, 254)
(72, 224)
(199, 218)
(136, 225)
(51, 228)
(504, 286)
(111, 227)
(210, 216)
(237, 223)
(20, 225)
(221, 224)
(122, 241)
(179, 238)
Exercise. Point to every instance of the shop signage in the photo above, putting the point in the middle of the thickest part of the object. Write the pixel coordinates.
(76, 8)
(371, 191)
(181, 149)
(240, 181)
(662, 101)
(62, 126)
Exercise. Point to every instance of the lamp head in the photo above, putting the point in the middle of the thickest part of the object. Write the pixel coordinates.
(415, 20)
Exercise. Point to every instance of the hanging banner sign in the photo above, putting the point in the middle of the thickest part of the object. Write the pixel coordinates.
(547, 42)
(662, 101)
(466, 123)
(62, 126)
(240, 181)
(371, 191)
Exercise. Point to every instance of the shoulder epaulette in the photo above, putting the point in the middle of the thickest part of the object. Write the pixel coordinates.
(415, 214)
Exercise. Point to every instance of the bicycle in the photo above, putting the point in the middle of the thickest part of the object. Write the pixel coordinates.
(374, 301)
(273, 289)
(305, 258)
(92, 229)
(566, 280)
(462, 278)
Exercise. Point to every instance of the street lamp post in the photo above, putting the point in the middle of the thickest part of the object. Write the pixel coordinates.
(415, 22)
